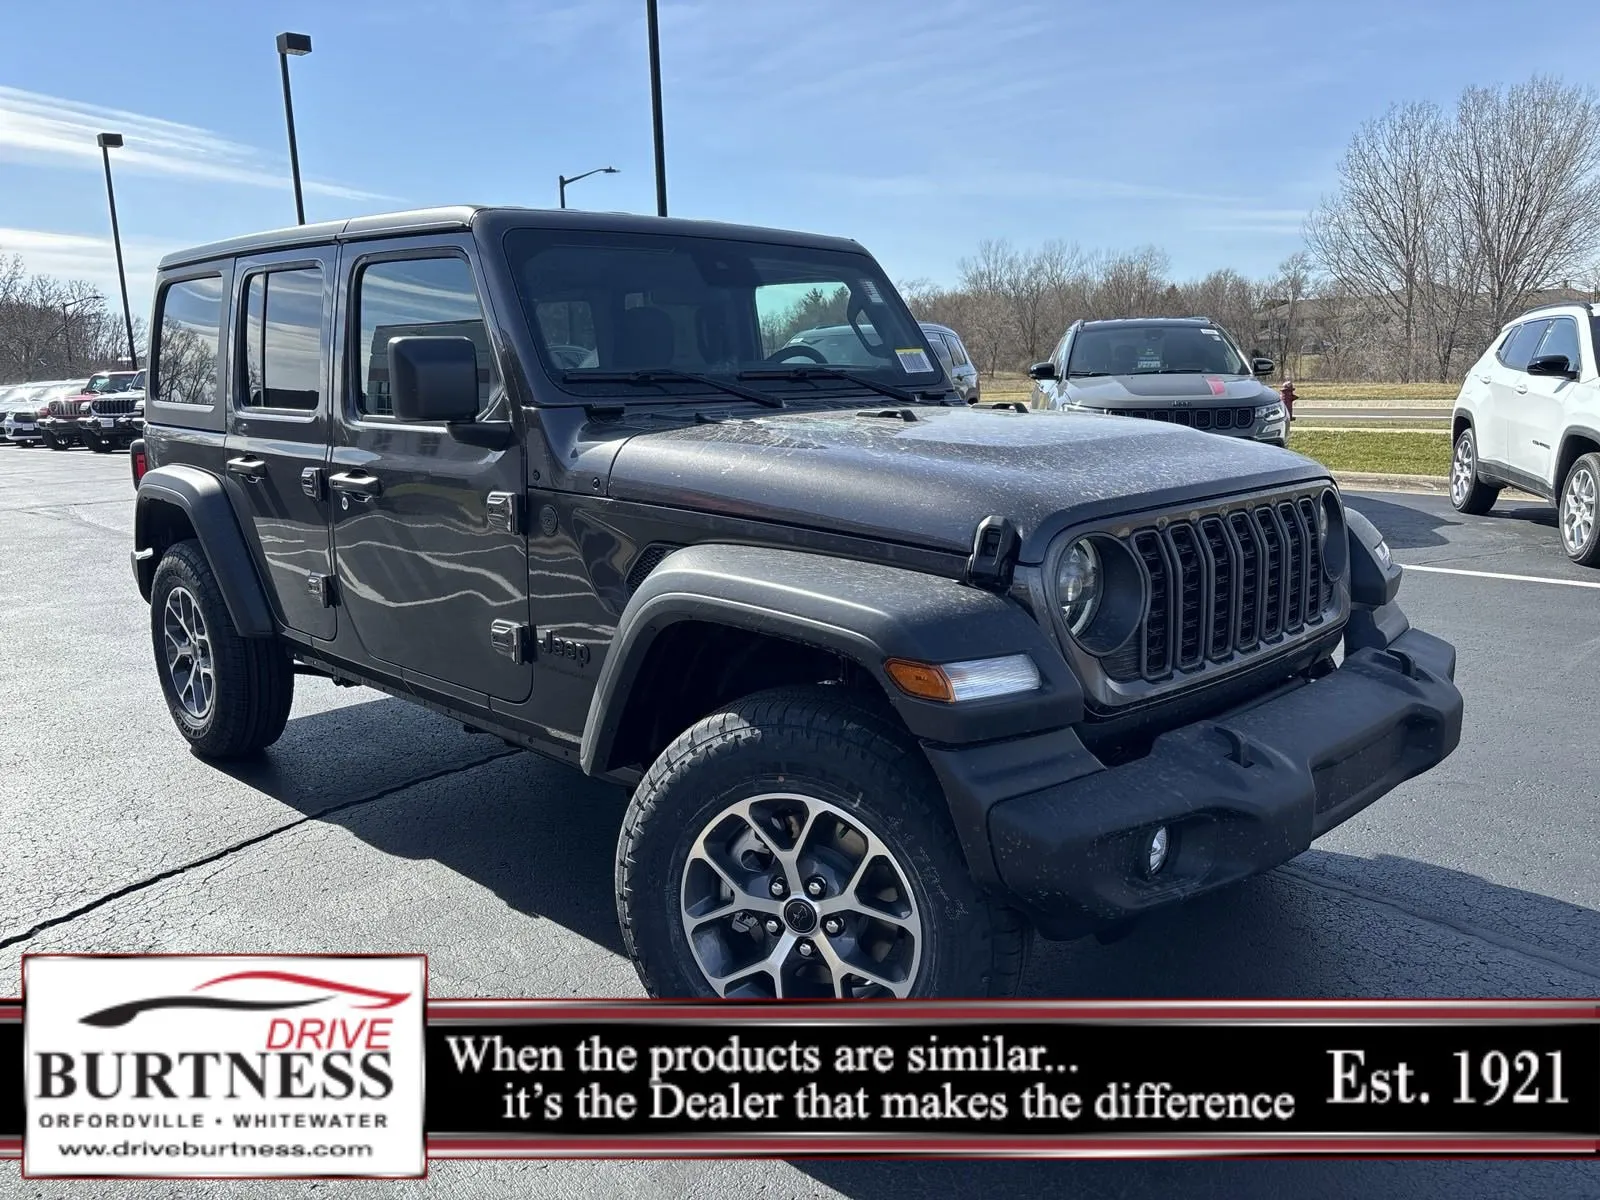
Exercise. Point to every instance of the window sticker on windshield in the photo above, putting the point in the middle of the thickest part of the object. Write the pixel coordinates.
(1150, 364)
(1212, 333)
(914, 361)
(871, 289)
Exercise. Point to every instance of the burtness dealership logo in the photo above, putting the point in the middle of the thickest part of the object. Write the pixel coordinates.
(200, 1066)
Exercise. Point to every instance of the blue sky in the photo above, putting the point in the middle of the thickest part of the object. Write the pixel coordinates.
(917, 128)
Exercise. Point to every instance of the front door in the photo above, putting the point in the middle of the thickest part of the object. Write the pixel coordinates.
(277, 440)
(426, 567)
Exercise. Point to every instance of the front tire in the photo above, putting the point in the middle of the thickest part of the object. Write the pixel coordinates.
(797, 845)
(1468, 493)
(51, 442)
(1577, 513)
(229, 695)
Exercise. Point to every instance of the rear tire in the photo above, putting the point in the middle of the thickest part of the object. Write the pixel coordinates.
(229, 695)
(818, 791)
(1578, 514)
(1468, 493)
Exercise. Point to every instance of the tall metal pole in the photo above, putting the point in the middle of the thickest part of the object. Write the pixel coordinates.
(66, 332)
(561, 181)
(655, 107)
(107, 142)
(294, 150)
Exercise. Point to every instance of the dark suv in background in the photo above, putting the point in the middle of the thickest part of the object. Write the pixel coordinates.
(1181, 370)
(893, 680)
(112, 414)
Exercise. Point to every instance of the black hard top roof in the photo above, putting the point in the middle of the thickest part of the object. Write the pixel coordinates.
(489, 221)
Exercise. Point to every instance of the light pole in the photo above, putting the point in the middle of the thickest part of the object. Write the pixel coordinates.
(655, 106)
(296, 44)
(563, 180)
(107, 143)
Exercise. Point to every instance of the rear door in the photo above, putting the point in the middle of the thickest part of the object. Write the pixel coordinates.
(1508, 384)
(278, 422)
(428, 562)
(966, 375)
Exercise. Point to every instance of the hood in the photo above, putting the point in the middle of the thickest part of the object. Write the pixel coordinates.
(929, 481)
(1164, 390)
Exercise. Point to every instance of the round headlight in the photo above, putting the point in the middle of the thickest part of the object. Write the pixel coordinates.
(1078, 584)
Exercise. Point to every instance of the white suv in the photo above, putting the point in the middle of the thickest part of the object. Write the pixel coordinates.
(1529, 416)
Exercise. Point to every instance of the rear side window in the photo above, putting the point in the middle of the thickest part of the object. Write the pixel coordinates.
(1516, 351)
(958, 352)
(283, 340)
(188, 332)
(1562, 338)
(418, 297)
(941, 348)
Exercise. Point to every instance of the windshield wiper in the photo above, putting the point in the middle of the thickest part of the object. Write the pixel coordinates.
(1086, 374)
(807, 374)
(668, 375)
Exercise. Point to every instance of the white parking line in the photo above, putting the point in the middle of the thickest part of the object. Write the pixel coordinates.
(1583, 583)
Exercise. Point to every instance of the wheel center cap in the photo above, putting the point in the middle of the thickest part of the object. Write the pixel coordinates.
(802, 918)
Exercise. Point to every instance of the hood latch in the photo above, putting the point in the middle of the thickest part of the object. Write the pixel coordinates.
(995, 546)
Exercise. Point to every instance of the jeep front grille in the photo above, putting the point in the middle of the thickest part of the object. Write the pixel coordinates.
(1227, 585)
(1196, 418)
(107, 407)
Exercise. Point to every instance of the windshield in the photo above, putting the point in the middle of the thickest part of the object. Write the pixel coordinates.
(604, 303)
(113, 381)
(1154, 349)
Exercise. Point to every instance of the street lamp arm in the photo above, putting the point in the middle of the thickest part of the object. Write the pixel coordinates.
(566, 179)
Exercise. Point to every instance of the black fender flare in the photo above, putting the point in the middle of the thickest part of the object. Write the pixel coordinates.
(201, 497)
(864, 612)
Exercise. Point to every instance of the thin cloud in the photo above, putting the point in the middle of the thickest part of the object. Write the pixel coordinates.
(92, 259)
(979, 183)
(38, 128)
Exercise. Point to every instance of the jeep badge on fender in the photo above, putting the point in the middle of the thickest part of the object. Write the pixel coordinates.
(896, 682)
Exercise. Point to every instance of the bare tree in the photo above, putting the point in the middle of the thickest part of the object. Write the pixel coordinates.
(1372, 235)
(1523, 164)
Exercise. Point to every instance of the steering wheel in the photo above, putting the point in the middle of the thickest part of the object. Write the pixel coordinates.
(799, 348)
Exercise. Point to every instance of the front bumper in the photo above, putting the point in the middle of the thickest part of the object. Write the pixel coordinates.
(22, 433)
(1238, 793)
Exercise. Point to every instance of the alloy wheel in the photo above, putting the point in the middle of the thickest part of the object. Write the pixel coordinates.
(1462, 469)
(188, 650)
(785, 895)
(1578, 509)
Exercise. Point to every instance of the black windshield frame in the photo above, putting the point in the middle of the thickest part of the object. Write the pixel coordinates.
(716, 305)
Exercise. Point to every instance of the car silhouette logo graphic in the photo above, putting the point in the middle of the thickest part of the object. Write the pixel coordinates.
(121, 1014)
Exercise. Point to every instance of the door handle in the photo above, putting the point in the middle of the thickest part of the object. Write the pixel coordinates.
(251, 470)
(362, 486)
(1522, 389)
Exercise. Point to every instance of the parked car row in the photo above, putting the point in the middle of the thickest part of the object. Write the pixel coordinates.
(104, 413)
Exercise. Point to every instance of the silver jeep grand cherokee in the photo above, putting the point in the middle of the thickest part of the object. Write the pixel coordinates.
(1184, 370)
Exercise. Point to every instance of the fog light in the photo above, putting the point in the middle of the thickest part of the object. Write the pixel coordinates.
(1156, 852)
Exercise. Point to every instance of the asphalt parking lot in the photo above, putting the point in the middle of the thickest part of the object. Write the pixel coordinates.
(375, 825)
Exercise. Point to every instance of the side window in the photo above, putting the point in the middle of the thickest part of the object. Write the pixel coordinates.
(941, 348)
(283, 340)
(1562, 338)
(188, 332)
(416, 297)
(1518, 348)
(958, 352)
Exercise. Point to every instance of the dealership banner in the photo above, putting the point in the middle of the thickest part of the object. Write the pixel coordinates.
(327, 1066)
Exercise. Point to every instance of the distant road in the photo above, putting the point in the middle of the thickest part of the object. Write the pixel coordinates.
(1385, 413)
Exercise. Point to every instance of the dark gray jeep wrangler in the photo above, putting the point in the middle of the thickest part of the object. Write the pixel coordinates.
(894, 681)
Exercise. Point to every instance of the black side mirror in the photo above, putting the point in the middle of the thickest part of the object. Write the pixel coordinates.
(1558, 365)
(1263, 367)
(1042, 370)
(433, 378)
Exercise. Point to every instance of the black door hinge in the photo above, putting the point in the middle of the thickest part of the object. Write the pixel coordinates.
(510, 639)
(321, 589)
(311, 482)
(995, 546)
(505, 511)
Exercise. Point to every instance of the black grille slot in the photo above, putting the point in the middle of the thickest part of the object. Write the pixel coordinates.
(1161, 414)
(1181, 416)
(1295, 571)
(1249, 579)
(1316, 593)
(1223, 577)
(1157, 657)
(1244, 417)
(1191, 593)
(1202, 419)
(1271, 573)
(649, 559)
(1224, 418)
